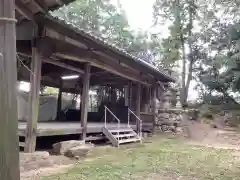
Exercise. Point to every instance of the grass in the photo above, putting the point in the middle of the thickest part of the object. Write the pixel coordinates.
(160, 159)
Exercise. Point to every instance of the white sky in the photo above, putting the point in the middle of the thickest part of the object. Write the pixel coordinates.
(139, 13)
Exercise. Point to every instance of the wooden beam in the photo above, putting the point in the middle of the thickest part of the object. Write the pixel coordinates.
(63, 65)
(102, 65)
(9, 149)
(85, 100)
(23, 10)
(81, 46)
(138, 104)
(33, 100)
(98, 73)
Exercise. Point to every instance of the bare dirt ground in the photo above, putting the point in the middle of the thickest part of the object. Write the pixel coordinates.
(220, 138)
(34, 168)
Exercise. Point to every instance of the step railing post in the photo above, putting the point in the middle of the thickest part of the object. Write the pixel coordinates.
(128, 118)
(105, 116)
(118, 120)
(138, 123)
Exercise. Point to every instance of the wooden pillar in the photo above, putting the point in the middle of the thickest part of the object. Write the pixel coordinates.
(130, 94)
(33, 100)
(126, 95)
(9, 147)
(85, 100)
(138, 104)
(59, 102)
(154, 107)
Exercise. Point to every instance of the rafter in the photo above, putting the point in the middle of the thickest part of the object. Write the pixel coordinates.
(23, 10)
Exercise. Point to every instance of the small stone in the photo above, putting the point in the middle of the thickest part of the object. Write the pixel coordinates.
(164, 128)
(172, 128)
(179, 130)
(77, 157)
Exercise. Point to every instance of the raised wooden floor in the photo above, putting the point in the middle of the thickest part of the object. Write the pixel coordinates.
(66, 128)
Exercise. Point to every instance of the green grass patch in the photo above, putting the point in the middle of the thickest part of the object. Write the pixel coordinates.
(155, 160)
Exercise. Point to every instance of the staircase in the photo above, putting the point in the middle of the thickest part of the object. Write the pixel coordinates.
(121, 135)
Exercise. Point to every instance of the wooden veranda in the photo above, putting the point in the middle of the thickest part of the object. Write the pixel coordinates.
(49, 48)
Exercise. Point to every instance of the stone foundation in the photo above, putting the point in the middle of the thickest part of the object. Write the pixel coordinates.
(173, 119)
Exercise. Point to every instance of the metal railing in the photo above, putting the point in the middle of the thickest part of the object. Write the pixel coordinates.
(118, 120)
(138, 120)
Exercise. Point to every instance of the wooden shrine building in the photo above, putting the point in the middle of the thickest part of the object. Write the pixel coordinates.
(49, 48)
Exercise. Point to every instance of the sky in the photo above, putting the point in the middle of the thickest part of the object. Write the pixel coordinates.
(139, 13)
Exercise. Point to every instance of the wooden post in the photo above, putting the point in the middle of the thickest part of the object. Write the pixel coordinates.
(85, 100)
(59, 102)
(130, 94)
(138, 104)
(126, 95)
(9, 147)
(154, 107)
(33, 100)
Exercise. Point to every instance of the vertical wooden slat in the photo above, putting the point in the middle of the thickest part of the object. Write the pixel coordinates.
(59, 101)
(9, 149)
(138, 104)
(85, 100)
(33, 100)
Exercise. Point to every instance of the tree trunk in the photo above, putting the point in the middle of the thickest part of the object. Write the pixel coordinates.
(182, 40)
(190, 46)
(9, 147)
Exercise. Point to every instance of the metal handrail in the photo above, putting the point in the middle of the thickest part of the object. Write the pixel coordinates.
(118, 120)
(140, 128)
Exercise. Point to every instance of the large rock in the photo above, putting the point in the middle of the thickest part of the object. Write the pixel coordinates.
(79, 151)
(61, 148)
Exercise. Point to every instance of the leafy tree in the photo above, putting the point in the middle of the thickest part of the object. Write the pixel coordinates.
(182, 14)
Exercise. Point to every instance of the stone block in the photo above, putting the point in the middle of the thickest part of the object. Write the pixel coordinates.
(61, 148)
(79, 151)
